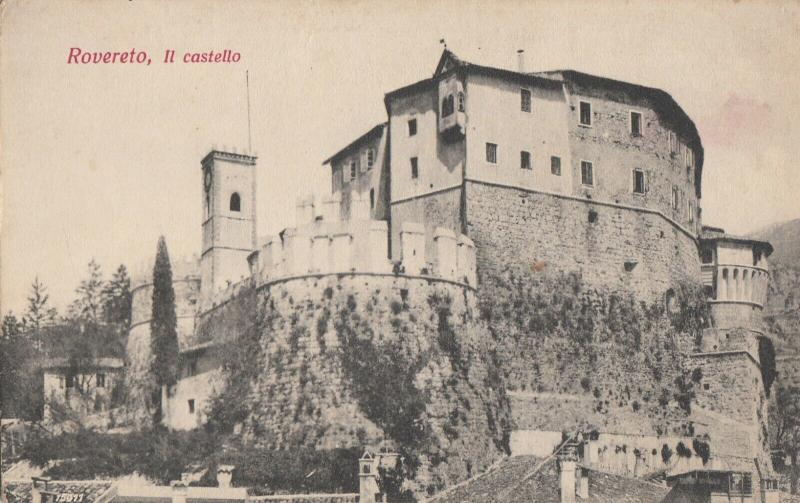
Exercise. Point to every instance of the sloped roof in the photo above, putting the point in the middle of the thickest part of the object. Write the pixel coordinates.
(375, 132)
(99, 363)
(522, 479)
(717, 234)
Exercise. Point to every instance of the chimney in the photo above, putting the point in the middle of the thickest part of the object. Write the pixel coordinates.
(224, 476)
(38, 485)
(568, 464)
(521, 61)
(583, 483)
(179, 491)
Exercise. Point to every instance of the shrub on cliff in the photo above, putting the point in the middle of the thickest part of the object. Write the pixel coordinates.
(552, 330)
(163, 326)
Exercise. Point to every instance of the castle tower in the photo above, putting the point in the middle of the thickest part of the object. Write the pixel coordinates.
(735, 276)
(229, 218)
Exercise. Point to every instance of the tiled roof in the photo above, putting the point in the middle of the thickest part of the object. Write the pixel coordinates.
(93, 491)
(526, 478)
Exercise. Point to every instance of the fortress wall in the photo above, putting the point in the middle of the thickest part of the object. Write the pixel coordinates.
(439, 209)
(729, 387)
(187, 291)
(326, 247)
(316, 332)
(516, 227)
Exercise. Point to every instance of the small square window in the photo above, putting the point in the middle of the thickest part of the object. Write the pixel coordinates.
(587, 173)
(491, 153)
(191, 406)
(525, 160)
(414, 168)
(412, 127)
(585, 113)
(638, 181)
(555, 165)
(525, 100)
(101, 380)
(636, 124)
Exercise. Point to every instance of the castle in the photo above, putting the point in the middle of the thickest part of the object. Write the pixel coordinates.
(477, 171)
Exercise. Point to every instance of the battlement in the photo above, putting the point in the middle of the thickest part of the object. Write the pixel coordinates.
(362, 246)
(183, 269)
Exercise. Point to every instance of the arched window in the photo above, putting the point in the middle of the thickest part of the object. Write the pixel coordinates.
(236, 202)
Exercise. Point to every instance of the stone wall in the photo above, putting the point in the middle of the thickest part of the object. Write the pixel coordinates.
(367, 359)
(732, 392)
(137, 376)
(622, 248)
(615, 152)
(440, 209)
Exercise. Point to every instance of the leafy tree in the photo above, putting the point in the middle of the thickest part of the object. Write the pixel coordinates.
(11, 326)
(20, 379)
(89, 302)
(786, 425)
(163, 324)
(117, 300)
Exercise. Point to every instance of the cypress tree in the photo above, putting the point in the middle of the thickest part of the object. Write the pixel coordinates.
(163, 325)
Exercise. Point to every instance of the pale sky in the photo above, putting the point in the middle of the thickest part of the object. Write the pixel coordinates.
(98, 160)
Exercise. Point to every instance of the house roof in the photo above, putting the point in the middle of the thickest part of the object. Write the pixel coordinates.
(527, 478)
(92, 491)
(99, 363)
(373, 133)
(714, 234)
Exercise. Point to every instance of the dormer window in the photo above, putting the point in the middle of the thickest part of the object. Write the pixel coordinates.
(236, 202)
(448, 106)
(585, 118)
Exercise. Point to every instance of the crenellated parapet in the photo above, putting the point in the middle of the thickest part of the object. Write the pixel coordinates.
(362, 246)
(735, 275)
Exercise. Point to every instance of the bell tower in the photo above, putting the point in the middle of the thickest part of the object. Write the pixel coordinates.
(229, 218)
